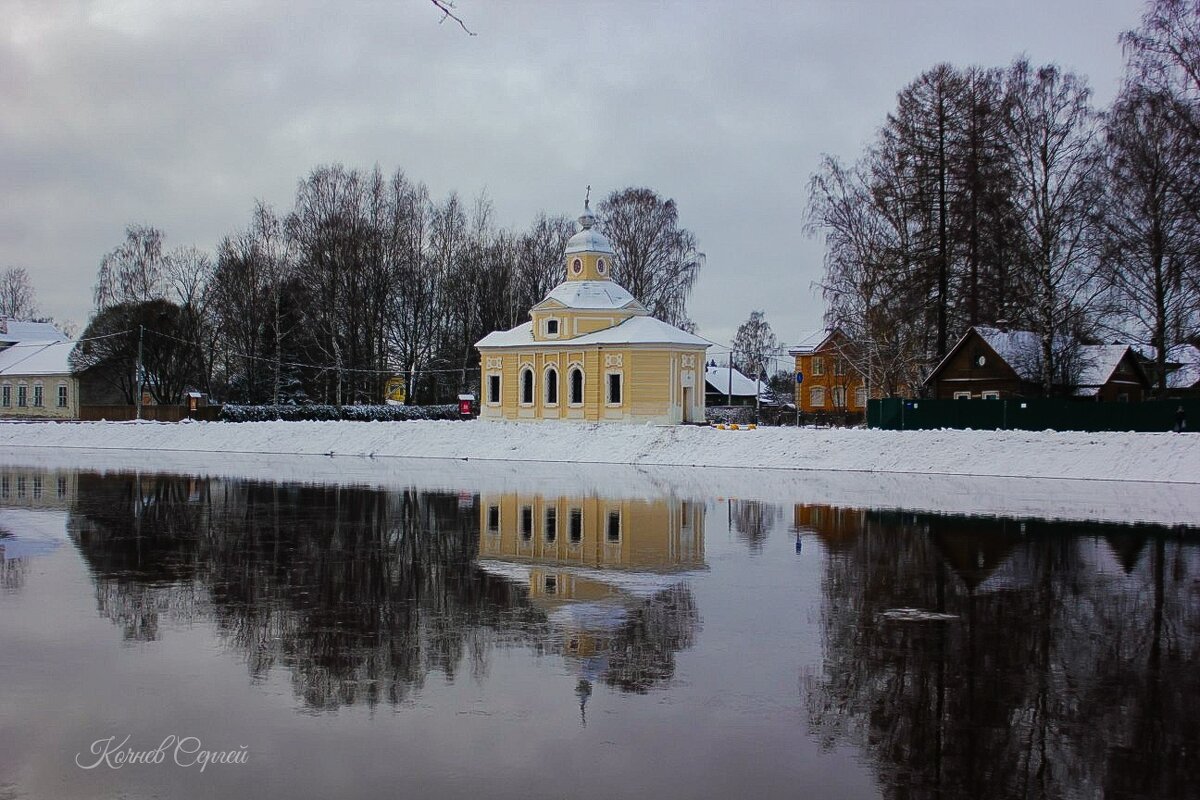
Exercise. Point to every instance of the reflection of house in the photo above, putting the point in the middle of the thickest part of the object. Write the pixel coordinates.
(836, 527)
(35, 379)
(592, 352)
(829, 380)
(36, 488)
(990, 364)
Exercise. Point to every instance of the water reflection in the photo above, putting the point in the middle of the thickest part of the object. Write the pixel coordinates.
(1064, 664)
(361, 594)
(609, 575)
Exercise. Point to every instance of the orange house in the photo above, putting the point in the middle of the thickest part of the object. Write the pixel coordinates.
(828, 381)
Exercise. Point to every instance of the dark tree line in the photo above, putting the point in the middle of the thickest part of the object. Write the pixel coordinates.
(367, 277)
(1002, 196)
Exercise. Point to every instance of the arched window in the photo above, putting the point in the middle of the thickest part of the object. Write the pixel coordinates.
(577, 266)
(527, 386)
(576, 393)
(551, 379)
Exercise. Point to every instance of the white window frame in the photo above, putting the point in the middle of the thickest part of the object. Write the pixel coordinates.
(860, 396)
(22, 396)
(552, 334)
(526, 369)
(838, 396)
(494, 530)
(64, 395)
(816, 396)
(39, 395)
(6, 395)
(499, 388)
(574, 513)
(571, 370)
(962, 395)
(991, 394)
(548, 383)
(608, 376)
(818, 366)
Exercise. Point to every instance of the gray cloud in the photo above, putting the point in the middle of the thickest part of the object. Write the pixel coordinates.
(181, 114)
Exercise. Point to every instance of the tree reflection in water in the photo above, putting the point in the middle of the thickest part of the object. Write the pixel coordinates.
(359, 594)
(1069, 669)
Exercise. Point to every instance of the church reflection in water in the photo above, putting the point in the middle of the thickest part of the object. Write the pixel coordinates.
(360, 594)
(610, 576)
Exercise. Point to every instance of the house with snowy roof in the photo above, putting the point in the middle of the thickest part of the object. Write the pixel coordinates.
(989, 363)
(1183, 376)
(828, 380)
(35, 378)
(725, 385)
(592, 352)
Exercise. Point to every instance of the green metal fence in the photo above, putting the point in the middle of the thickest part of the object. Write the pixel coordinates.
(1032, 414)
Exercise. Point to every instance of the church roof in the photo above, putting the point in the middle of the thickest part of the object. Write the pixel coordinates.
(635, 330)
(592, 295)
(588, 240)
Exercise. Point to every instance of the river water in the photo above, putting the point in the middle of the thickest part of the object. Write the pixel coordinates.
(327, 640)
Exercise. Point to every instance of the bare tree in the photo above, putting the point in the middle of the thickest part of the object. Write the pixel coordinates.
(1151, 239)
(753, 345)
(1052, 129)
(17, 299)
(656, 260)
(134, 271)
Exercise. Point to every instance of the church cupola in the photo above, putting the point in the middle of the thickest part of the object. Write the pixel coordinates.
(589, 254)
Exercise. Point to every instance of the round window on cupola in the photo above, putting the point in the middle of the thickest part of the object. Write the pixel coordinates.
(601, 267)
(577, 266)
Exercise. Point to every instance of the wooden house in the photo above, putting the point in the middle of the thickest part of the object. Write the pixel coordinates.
(989, 363)
(829, 381)
(591, 352)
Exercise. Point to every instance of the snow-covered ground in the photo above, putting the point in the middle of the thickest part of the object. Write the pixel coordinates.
(1106, 476)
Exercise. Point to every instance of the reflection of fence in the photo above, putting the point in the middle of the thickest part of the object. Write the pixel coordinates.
(153, 413)
(1030, 414)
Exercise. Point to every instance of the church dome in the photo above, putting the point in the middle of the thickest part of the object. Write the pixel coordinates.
(589, 239)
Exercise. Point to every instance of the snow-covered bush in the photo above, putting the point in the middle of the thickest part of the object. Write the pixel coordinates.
(325, 413)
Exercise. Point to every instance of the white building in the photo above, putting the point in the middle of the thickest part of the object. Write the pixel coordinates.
(35, 377)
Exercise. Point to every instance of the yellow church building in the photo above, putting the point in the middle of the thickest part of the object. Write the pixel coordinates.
(591, 352)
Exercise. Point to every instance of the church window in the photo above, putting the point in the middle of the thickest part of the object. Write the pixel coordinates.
(527, 522)
(613, 531)
(601, 267)
(551, 386)
(527, 387)
(577, 266)
(552, 327)
(493, 389)
(575, 532)
(614, 388)
(576, 380)
(551, 526)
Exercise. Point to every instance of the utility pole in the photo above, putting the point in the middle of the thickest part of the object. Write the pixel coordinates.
(138, 374)
(729, 386)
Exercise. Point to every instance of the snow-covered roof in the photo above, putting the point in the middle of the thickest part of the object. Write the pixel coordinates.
(592, 295)
(588, 239)
(1188, 374)
(809, 341)
(36, 358)
(635, 330)
(1097, 362)
(1021, 349)
(718, 379)
(12, 330)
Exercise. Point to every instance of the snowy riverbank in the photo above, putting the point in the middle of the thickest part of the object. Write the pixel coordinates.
(1165, 457)
(936, 471)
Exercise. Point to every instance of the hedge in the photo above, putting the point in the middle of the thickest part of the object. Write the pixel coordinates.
(327, 413)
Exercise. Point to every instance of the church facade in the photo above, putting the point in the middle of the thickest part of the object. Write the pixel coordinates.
(591, 352)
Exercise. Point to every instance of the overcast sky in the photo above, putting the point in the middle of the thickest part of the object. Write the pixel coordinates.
(180, 114)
